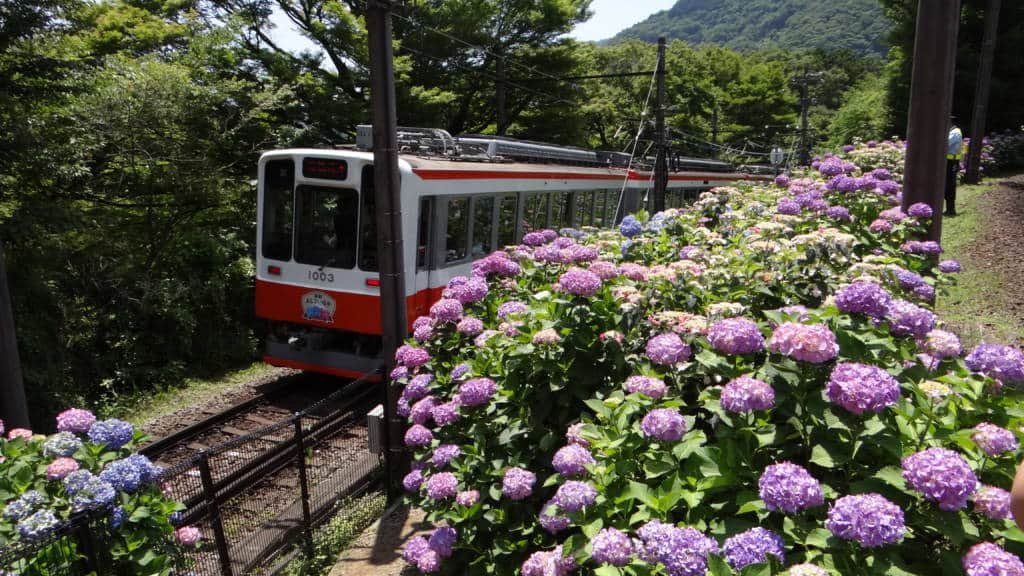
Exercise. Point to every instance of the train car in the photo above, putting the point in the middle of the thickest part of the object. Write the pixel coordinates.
(317, 277)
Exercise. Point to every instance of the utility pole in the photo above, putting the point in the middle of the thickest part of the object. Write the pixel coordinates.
(981, 91)
(714, 129)
(389, 223)
(661, 160)
(931, 99)
(13, 407)
(500, 94)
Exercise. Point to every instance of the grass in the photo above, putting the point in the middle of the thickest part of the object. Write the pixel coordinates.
(353, 516)
(977, 306)
(142, 408)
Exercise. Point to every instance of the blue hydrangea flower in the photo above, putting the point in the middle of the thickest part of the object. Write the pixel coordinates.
(61, 444)
(37, 525)
(630, 227)
(113, 433)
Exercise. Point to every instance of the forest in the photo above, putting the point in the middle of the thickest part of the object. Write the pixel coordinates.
(131, 131)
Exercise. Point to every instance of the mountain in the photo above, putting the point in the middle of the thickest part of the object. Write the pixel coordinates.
(744, 25)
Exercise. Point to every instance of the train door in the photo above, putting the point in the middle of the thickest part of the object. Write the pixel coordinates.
(422, 296)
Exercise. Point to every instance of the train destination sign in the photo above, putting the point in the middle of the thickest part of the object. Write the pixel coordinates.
(325, 168)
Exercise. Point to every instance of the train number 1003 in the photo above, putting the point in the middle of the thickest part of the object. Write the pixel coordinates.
(320, 276)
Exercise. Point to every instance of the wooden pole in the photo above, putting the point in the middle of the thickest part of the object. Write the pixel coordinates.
(981, 92)
(389, 222)
(13, 406)
(661, 160)
(931, 99)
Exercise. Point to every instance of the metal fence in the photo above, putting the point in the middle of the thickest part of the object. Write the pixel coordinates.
(256, 499)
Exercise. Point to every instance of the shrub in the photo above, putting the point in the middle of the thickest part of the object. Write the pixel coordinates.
(848, 441)
(87, 470)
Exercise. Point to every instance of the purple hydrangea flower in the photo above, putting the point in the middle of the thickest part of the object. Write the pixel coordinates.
(868, 519)
(735, 336)
(665, 424)
(419, 553)
(630, 227)
(1003, 363)
(580, 282)
(511, 308)
(650, 387)
(476, 392)
(862, 388)
(444, 454)
(894, 214)
(604, 270)
(682, 551)
(60, 468)
(572, 460)
(467, 290)
(808, 343)
(73, 420)
(908, 280)
(907, 319)
(611, 546)
(551, 521)
(839, 213)
(880, 225)
(942, 344)
(788, 206)
(574, 496)
(942, 476)
(988, 559)
(445, 414)
(442, 540)
(446, 310)
(413, 480)
(667, 349)
(992, 502)
(411, 357)
(949, 266)
(421, 411)
(417, 388)
(113, 433)
(418, 435)
(746, 394)
(550, 563)
(496, 263)
(467, 498)
(534, 239)
(442, 485)
(782, 181)
(470, 326)
(518, 483)
(920, 210)
(994, 440)
(789, 488)
(753, 547)
(574, 435)
(864, 298)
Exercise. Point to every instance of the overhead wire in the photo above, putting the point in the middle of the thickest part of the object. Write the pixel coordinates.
(636, 141)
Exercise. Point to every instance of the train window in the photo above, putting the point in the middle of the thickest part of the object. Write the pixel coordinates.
(457, 231)
(423, 235)
(507, 221)
(278, 209)
(368, 223)
(483, 226)
(600, 205)
(327, 226)
(613, 207)
(535, 212)
(559, 210)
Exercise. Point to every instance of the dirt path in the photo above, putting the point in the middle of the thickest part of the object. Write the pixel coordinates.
(989, 305)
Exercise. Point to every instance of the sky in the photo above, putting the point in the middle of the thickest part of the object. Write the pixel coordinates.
(610, 17)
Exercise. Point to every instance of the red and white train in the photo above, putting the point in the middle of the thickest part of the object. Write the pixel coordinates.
(316, 263)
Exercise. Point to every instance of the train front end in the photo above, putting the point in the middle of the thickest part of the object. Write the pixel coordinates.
(317, 280)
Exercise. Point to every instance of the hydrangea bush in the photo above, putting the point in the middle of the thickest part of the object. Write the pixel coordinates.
(754, 385)
(87, 469)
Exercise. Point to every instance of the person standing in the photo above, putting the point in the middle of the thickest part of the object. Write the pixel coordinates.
(954, 153)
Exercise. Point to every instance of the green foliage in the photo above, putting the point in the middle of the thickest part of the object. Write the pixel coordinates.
(747, 25)
(863, 113)
(352, 516)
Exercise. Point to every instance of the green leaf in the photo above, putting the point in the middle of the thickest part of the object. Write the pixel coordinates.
(607, 570)
(590, 530)
(821, 456)
(140, 513)
(655, 468)
(892, 476)
(717, 566)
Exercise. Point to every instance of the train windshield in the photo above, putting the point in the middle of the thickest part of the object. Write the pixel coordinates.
(326, 226)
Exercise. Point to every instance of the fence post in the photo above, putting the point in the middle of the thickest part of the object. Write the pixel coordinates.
(87, 545)
(307, 520)
(213, 511)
